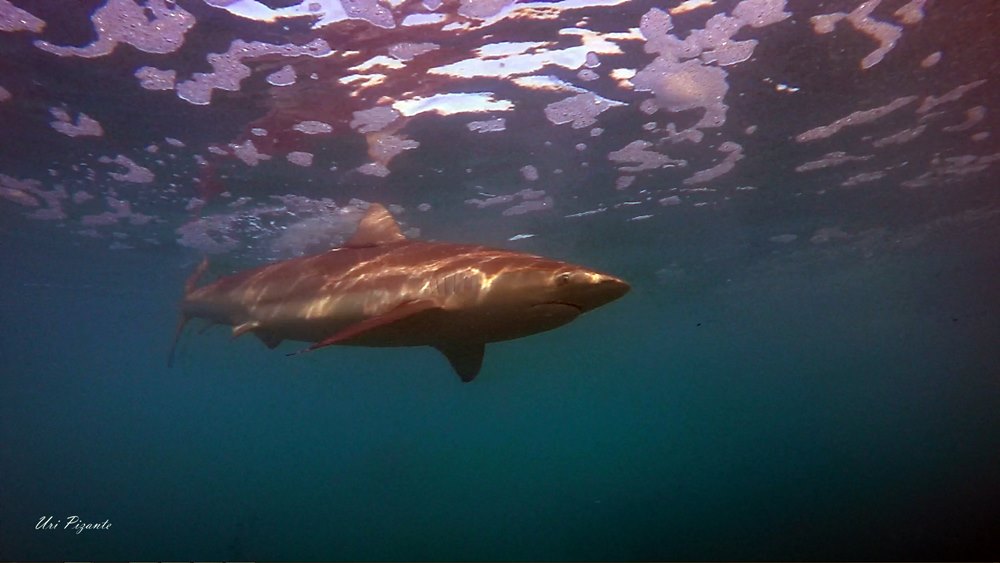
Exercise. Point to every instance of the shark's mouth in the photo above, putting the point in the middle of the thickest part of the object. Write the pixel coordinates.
(578, 308)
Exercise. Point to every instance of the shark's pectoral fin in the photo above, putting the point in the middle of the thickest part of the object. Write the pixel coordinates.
(379, 325)
(466, 358)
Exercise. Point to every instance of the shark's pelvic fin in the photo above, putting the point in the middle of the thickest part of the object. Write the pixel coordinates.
(377, 227)
(466, 358)
(269, 339)
(241, 329)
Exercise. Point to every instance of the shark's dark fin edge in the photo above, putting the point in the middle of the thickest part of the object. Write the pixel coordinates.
(466, 358)
(377, 227)
(177, 336)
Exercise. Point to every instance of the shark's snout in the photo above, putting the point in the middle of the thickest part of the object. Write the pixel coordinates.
(590, 290)
(613, 287)
(610, 288)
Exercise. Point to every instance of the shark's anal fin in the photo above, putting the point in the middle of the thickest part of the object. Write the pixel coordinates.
(386, 320)
(466, 358)
(268, 338)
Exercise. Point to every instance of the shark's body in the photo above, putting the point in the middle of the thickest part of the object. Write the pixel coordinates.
(384, 290)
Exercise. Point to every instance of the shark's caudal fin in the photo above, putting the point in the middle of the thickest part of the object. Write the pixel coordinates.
(189, 286)
(377, 227)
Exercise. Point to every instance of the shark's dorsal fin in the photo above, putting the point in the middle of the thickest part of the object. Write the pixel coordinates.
(377, 227)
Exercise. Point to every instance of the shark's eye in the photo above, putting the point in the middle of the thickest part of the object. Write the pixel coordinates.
(563, 278)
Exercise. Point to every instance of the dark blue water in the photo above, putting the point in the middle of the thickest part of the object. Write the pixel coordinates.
(800, 407)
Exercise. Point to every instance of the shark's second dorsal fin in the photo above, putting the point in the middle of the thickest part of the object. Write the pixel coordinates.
(377, 227)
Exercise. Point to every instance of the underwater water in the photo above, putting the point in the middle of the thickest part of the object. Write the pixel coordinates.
(807, 365)
(828, 410)
(839, 409)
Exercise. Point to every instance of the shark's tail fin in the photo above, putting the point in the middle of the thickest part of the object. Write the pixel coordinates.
(189, 286)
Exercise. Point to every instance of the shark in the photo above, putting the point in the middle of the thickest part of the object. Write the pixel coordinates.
(383, 289)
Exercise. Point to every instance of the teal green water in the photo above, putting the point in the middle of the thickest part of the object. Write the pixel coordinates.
(829, 408)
